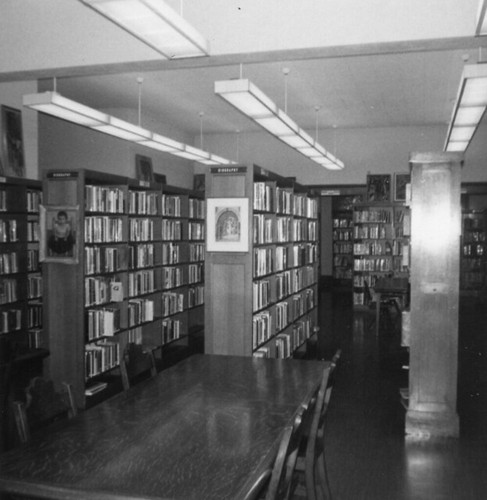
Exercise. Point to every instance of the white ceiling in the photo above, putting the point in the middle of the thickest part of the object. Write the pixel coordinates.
(408, 80)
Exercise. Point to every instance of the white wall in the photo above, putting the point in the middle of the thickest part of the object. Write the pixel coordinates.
(364, 150)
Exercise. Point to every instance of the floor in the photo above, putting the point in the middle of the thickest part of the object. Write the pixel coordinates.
(368, 455)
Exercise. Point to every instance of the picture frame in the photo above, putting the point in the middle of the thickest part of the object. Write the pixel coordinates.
(228, 224)
(401, 180)
(12, 143)
(143, 168)
(58, 234)
(378, 187)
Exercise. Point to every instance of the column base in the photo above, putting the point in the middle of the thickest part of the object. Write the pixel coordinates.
(426, 424)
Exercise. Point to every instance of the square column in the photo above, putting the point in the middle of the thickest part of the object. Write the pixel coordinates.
(435, 271)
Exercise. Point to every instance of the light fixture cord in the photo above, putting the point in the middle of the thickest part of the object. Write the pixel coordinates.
(201, 129)
(317, 108)
(241, 71)
(238, 144)
(286, 72)
(181, 8)
(139, 82)
(54, 84)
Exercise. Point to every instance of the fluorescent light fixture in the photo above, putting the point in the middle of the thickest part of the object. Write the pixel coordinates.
(52, 103)
(154, 23)
(469, 107)
(252, 102)
(481, 29)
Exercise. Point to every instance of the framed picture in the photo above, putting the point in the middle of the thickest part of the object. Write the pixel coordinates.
(379, 187)
(228, 224)
(400, 186)
(12, 143)
(59, 234)
(143, 168)
(160, 178)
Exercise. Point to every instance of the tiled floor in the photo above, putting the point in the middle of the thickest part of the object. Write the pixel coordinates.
(367, 453)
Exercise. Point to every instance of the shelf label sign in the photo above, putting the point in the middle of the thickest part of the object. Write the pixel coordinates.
(228, 170)
(62, 175)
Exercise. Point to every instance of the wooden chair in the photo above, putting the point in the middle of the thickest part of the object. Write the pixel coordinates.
(311, 465)
(43, 406)
(387, 304)
(138, 363)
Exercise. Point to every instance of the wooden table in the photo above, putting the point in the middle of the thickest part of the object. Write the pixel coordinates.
(202, 429)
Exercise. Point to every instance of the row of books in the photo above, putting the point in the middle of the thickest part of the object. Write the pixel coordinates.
(109, 199)
(141, 282)
(9, 263)
(34, 286)
(101, 357)
(172, 303)
(171, 253)
(373, 264)
(373, 248)
(141, 255)
(34, 315)
(372, 215)
(32, 231)
(263, 229)
(98, 290)
(140, 311)
(264, 196)
(261, 296)
(171, 205)
(141, 229)
(143, 203)
(263, 261)
(10, 320)
(171, 330)
(195, 273)
(104, 259)
(196, 208)
(35, 338)
(339, 222)
(34, 199)
(32, 260)
(372, 232)
(172, 229)
(102, 322)
(196, 252)
(262, 328)
(288, 342)
(172, 277)
(196, 296)
(196, 230)
(8, 290)
(103, 229)
(8, 231)
(339, 247)
(341, 235)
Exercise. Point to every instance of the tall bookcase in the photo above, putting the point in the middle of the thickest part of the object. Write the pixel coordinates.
(133, 278)
(473, 253)
(261, 299)
(20, 270)
(381, 235)
(342, 241)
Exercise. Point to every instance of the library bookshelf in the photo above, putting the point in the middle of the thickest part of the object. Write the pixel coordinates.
(20, 270)
(473, 253)
(135, 275)
(342, 234)
(262, 297)
(381, 242)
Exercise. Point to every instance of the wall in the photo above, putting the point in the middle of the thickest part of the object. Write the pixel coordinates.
(363, 150)
(11, 95)
(64, 145)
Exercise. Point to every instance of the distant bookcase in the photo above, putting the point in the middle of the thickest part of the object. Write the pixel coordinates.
(381, 238)
(473, 253)
(342, 233)
(262, 300)
(20, 270)
(137, 277)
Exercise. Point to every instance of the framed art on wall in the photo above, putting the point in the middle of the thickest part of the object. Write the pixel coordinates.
(12, 146)
(59, 234)
(379, 187)
(143, 168)
(228, 224)
(400, 186)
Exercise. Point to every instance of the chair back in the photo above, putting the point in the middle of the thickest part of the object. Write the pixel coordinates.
(43, 405)
(138, 363)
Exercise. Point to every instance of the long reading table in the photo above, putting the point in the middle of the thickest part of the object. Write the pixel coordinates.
(202, 429)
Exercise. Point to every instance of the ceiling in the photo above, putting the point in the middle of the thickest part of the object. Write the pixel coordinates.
(380, 83)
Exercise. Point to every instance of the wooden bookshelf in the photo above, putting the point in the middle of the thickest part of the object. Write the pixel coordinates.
(381, 234)
(20, 270)
(473, 253)
(132, 279)
(262, 300)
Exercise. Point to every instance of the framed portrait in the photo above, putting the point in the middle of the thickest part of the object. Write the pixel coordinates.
(400, 186)
(12, 157)
(59, 234)
(228, 224)
(143, 168)
(379, 187)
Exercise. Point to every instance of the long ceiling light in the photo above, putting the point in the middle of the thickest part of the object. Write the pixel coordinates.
(252, 102)
(469, 107)
(54, 104)
(154, 23)
(482, 19)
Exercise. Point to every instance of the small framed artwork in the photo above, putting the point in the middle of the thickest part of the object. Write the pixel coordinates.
(228, 224)
(379, 187)
(59, 234)
(12, 142)
(160, 179)
(400, 186)
(143, 168)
